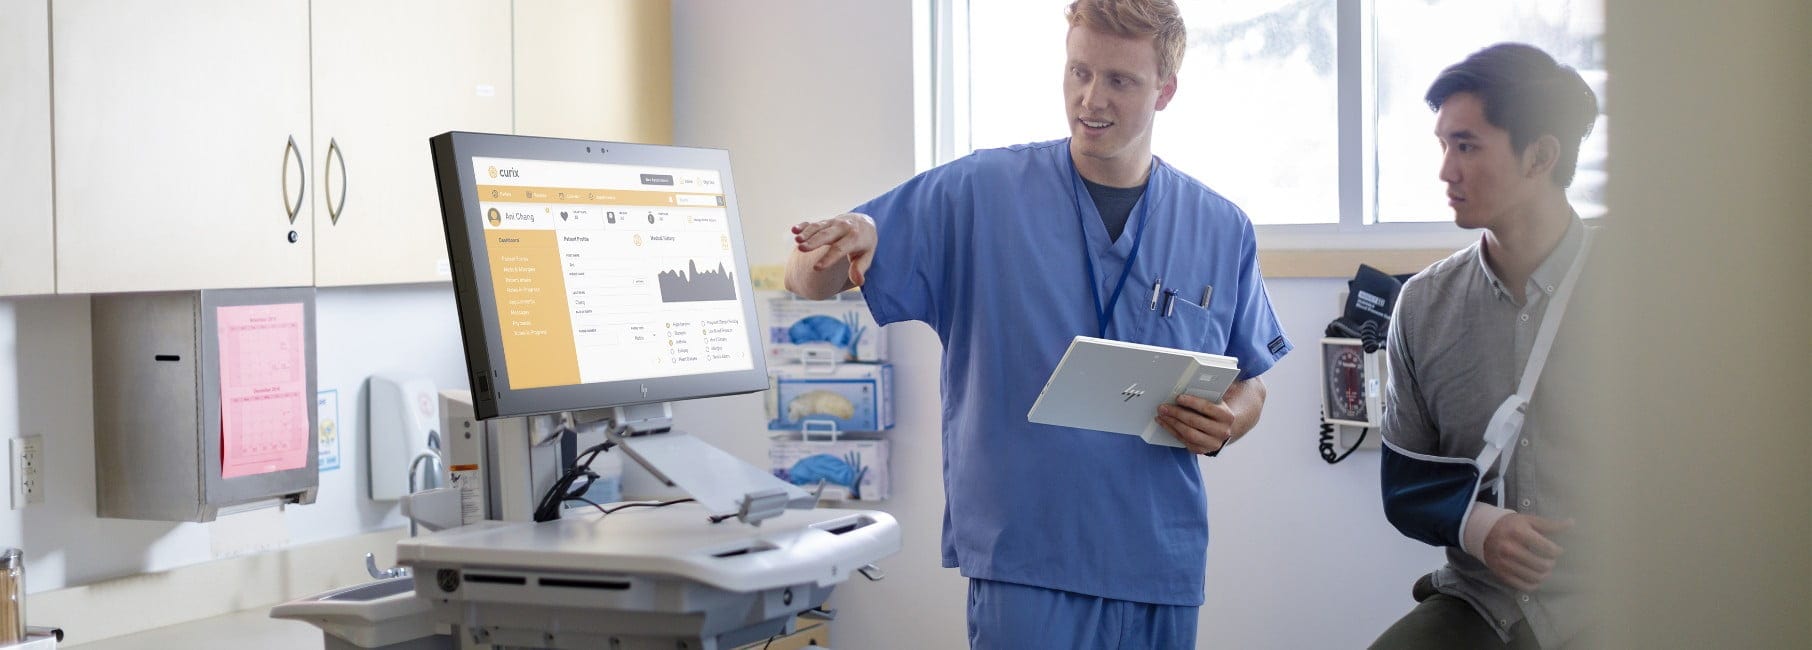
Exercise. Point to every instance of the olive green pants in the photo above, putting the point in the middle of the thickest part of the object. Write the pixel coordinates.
(1440, 621)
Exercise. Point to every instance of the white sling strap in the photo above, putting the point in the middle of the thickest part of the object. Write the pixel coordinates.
(1507, 423)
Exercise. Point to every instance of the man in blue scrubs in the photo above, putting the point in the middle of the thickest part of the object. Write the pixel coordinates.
(1070, 538)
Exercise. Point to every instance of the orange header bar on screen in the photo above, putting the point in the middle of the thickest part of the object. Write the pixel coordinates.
(573, 195)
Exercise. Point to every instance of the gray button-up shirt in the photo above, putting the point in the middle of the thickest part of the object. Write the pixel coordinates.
(1458, 345)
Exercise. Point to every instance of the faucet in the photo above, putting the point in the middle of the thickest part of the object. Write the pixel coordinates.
(432, 457)
(383, 574)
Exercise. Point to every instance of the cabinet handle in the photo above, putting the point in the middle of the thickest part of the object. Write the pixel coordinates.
(301, 168)
(334, 210)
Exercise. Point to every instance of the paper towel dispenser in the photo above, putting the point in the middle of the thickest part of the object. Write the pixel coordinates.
(204, 402)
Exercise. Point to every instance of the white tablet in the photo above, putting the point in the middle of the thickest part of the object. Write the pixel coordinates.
(1116, 386)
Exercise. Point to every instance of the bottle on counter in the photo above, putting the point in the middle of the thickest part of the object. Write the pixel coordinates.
(12, 596)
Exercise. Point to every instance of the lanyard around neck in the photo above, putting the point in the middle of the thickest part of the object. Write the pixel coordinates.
(1105, 314)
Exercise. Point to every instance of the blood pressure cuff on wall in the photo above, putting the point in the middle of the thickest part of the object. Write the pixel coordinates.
(1428, 497)
(1370, 297)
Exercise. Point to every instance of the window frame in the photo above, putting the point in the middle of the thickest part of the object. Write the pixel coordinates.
(1408, 246)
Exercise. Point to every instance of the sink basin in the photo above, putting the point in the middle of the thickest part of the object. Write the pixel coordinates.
(372, 590)
(380, 614)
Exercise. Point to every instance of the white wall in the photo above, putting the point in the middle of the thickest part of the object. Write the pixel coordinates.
(46, 388)
(814, 100)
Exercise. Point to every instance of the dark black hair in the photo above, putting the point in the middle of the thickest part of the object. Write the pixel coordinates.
(1526, 93)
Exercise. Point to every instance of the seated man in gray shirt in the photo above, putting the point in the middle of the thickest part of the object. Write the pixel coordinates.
(1473, 460)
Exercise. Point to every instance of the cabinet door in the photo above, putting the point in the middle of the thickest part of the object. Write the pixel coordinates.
(181, 144)
(595, 70)
(387, 76)
(26, 262)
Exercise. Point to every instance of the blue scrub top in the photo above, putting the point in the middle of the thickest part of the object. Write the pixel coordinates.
(988, 250)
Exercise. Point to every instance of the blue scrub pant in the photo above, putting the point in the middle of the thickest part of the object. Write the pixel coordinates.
(1005, 615)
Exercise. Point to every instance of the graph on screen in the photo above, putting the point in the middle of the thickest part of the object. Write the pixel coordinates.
(693, 285)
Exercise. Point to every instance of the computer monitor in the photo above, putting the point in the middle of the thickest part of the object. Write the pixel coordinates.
(595, 274)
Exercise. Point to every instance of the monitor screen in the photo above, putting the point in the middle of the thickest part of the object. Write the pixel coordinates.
(595, 274)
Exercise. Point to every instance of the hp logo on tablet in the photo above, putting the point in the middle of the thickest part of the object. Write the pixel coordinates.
(1131, 391)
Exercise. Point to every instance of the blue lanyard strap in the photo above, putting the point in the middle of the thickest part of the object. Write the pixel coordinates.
(1105, 314)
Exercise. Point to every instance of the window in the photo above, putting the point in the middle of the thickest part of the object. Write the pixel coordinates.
(1279, 102)
(1416, 39)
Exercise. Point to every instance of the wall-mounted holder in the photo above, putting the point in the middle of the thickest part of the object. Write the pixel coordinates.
(840, 327)
(402, 423)
(834, 465)
(848, 396)
(204, 402)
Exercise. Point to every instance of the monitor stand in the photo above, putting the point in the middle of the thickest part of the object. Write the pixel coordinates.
(724, 484)
(680, 576)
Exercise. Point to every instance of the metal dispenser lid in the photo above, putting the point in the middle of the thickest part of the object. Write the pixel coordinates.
(12, 558)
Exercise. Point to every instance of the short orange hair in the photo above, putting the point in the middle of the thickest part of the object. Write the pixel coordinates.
(1159, 20)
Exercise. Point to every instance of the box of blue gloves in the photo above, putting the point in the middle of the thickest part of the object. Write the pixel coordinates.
(847, 468)
(830, 398)
(839, 329)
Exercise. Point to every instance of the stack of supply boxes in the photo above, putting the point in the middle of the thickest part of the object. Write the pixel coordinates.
(831, 393)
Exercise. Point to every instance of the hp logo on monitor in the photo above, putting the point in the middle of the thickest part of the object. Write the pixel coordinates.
(1132, 391)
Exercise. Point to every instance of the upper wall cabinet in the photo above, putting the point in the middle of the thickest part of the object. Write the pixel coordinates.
(27, 264)
(182, 144)
(387, 76)
(595, 70)
(225, 143)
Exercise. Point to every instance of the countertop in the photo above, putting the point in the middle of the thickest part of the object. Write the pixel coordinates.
(252, 628)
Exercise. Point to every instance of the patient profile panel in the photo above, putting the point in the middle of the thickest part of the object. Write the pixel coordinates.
(605, 272)
(533, 310)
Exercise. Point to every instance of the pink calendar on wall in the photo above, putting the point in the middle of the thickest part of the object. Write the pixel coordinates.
(263, 389)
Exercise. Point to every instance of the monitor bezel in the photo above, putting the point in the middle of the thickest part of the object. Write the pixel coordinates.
(492, 394)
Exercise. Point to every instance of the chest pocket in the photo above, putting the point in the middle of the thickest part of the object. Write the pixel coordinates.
(1189, 327)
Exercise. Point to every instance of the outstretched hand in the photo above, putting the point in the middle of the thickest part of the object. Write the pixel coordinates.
(845, 238)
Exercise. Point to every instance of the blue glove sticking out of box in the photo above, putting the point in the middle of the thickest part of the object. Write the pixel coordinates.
(819, 328)
(846, 471)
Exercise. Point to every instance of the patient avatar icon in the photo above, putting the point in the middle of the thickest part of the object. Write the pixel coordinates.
(494, 217)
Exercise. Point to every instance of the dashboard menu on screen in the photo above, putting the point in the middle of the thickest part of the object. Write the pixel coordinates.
(607, 272)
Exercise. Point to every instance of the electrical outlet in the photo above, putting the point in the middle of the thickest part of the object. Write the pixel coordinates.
(28, 470)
